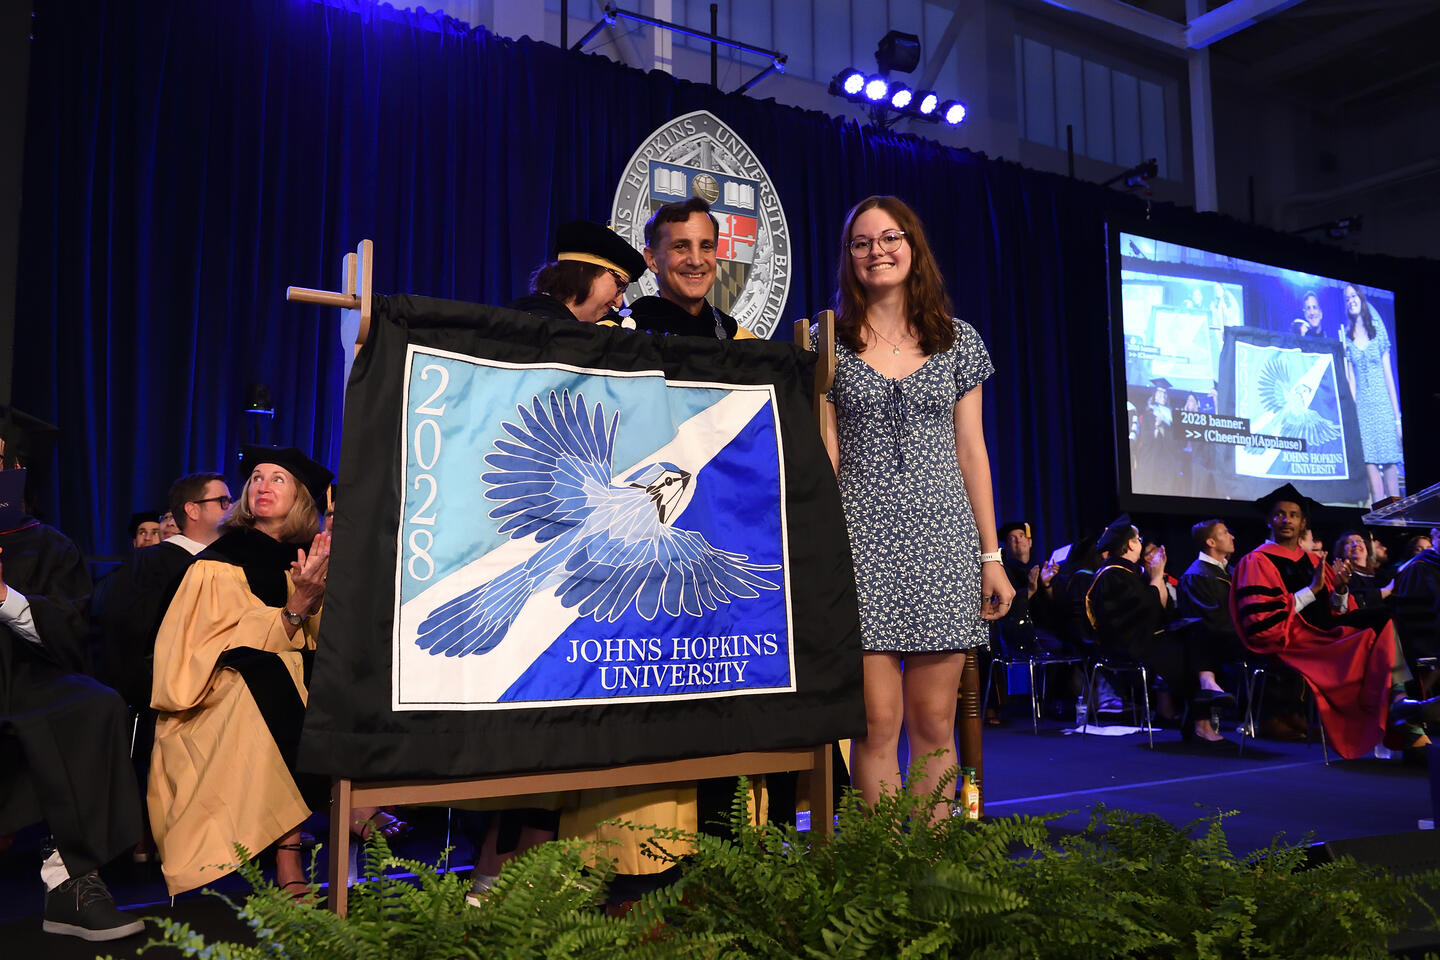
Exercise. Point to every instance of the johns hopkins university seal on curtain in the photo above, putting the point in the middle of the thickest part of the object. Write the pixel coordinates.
(698, 155)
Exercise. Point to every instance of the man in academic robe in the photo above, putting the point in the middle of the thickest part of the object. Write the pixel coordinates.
(587, 279)
(130, 603)
(680, 243)
(63, 735)
(144, 529)
(1416, 605)
(1203, 593)
(1127, 605)
(1292, 605)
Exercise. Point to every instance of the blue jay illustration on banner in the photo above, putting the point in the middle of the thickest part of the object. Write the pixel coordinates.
(574, 536)
(607, 547)
(1292, 394)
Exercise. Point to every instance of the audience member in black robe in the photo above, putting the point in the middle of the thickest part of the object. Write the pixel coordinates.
(1203, 594)
(144, 529)
(680, 243)
(63, 735)
(588, 277)
(129, 604)
(1416, 605)
(1367, 588)
(1067, 591)
(1127, 605)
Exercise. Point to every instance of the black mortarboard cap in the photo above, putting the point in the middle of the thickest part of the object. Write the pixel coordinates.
(1116, 535)
(315, 477)
(144, 516)
(598, 244)
(1161, 382)
(1014, 525)
(1287, 492)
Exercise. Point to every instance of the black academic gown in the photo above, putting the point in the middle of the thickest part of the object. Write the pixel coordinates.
(658, 315)
(64, 736)
(1017, 627)
(1123, 607)
(1128, 616)
(542, 305)
(127, 608)
(1416, 605)
(1204, 593)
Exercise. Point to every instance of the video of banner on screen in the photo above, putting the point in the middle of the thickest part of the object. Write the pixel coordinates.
(1242, 375)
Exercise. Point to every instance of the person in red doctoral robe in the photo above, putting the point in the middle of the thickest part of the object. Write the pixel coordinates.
(1298, 609)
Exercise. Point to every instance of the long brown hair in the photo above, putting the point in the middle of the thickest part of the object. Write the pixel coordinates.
(1364, 314)
(930, 312)
(301, 523)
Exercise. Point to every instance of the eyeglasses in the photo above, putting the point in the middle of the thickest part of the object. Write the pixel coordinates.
(620, 279)
(224, 502)
(888, 242)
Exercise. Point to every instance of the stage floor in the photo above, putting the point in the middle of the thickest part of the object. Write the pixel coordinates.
(1275, 789)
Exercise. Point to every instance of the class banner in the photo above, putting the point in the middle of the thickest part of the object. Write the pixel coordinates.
(1293, 418)
(559, 545)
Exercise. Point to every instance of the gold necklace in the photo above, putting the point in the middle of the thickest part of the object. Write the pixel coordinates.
(894, 347)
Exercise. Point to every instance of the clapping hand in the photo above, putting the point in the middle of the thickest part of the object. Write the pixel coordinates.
(1317, 582)
(1156, 567)
(1048, 572)
(307, 573)
(1342, 570)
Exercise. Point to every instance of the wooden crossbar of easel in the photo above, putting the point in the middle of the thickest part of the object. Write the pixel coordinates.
(814, 763)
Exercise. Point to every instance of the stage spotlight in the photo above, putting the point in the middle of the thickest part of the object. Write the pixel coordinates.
(851, 81)
(900, 96)
(898, 52)
(928, 102)
(876, 88)
(953, 111)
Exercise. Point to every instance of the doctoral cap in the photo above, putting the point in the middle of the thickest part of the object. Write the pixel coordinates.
(315, 477)
(1287, 492)
(1012, 526)
(593, 243)
(144, 516)
(1116, 535)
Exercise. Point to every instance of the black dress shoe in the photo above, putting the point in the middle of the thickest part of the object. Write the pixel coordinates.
(82, 907)
(1407, 710)
(1207, 699)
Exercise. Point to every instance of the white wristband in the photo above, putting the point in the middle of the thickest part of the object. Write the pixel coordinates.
(993, 557)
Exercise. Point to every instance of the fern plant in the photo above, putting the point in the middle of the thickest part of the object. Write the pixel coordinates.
(893, 884)
(890, 883)
(546, 904)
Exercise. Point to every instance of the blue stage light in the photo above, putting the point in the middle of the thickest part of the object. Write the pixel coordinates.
(852, 81)
(900, 96)
(876, 87)
(928, 102)
(953, 111)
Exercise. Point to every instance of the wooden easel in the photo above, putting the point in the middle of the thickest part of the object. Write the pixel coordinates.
(346, 794)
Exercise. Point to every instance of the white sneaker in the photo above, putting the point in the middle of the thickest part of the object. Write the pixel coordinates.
(480, 884)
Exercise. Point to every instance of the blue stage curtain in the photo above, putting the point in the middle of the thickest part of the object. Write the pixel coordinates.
(185, 162)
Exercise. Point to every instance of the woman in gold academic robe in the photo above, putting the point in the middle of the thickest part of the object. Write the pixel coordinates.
(232, 658)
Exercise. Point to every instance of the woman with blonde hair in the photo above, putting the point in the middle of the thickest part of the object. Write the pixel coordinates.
(232, 658)
(914, 475)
